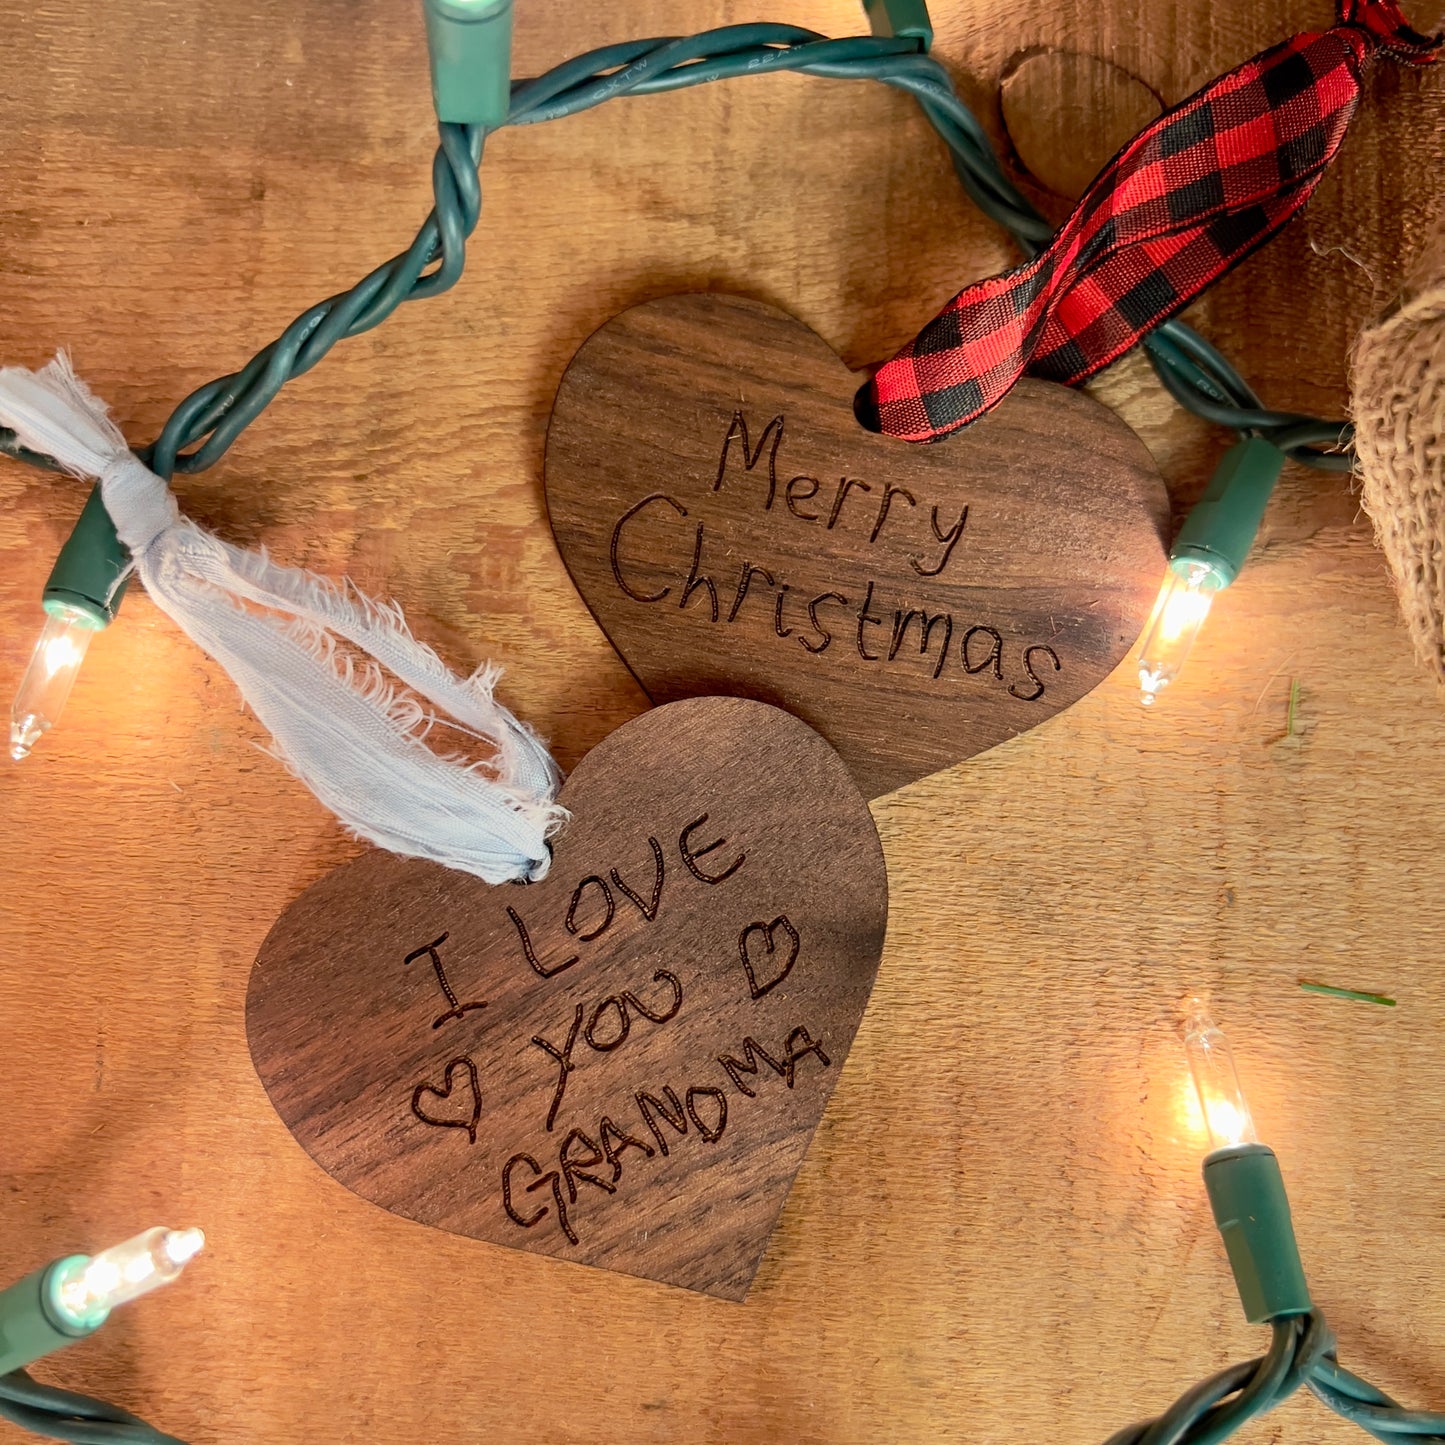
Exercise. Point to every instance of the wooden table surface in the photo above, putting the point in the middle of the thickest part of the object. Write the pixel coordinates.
(999, 1233)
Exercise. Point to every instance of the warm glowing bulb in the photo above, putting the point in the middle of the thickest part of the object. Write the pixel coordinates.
(1221, 1100)
(48, 679)
(90, 1288)
(1178, 615)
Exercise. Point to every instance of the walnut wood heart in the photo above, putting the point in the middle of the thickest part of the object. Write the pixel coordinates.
(624, 1063)
(734, 530)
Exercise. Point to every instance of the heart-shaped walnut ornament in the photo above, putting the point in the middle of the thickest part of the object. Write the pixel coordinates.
(734, 530)
(624, 1063)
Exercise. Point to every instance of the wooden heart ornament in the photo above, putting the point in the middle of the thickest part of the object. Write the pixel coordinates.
(624, 1063)
(734, 530)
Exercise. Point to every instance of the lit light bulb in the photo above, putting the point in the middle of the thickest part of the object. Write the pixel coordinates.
(1216, 1081)
(1184, 602)
(50, 675)
(1242, 1178)
(87, 1289)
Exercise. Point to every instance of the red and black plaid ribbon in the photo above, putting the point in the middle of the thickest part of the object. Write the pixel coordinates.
(1188, 198)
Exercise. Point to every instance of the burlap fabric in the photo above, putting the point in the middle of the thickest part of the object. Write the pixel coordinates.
(1398, 386)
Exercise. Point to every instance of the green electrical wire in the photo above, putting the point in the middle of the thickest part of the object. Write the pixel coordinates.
(1301, 1354)
(206, 424)
(64, 1415)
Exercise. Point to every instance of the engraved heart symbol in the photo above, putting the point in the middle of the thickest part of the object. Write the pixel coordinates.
(763, 937)
(428, 1115)
(656, 1026)
(734, 530)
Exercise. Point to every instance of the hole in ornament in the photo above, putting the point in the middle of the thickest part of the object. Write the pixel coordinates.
(865, 412)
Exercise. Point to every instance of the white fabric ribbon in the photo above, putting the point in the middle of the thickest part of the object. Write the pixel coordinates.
(347, 731)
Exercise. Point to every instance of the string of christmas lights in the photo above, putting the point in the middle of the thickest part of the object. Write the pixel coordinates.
(469, 42)
(470, 50)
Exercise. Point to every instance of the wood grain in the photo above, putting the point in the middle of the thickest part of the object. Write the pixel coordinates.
(999, 1233)
(734, 530)
(624, 1064)
(1066, 113)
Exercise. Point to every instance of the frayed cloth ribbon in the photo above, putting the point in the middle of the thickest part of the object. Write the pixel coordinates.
(354, 731)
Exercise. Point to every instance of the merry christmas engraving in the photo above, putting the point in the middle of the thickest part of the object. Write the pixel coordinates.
(726, 590)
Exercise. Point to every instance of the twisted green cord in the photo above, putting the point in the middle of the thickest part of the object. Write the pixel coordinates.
(1195, 373)
(205, 425)
(64, 1415)
(1301, 1354)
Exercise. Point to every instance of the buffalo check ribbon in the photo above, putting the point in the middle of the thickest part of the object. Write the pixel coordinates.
(1187, 199)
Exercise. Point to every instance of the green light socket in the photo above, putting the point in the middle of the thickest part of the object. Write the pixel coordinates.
(32, 1321)
(470, 42)
(900, 19)
(1251, 1209)
(1222, 527)
(86, 575)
